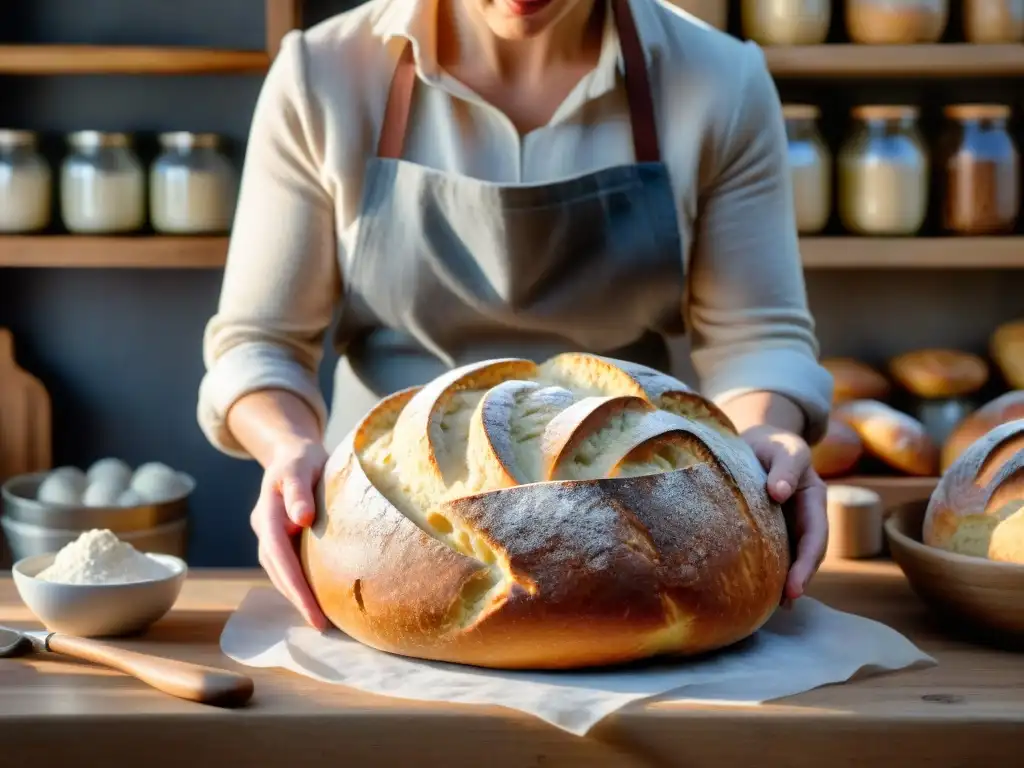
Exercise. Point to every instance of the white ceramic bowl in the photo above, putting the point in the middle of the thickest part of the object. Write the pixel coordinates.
(105, 610)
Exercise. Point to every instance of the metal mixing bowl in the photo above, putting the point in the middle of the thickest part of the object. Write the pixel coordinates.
(33, 527)
(21, 505)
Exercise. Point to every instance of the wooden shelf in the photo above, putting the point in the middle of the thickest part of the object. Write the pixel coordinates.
(69, 251)
(209, 252)
(131, 60)
(943, 60)
(912, 252)
(893, 490)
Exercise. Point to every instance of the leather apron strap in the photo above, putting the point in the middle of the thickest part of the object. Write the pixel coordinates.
(391, 142)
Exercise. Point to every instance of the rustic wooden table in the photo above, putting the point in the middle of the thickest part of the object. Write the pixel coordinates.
(967, 711)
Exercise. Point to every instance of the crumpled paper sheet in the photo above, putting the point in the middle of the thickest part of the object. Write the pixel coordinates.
(810, 646)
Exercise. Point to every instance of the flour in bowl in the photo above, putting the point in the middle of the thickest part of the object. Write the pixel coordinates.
(99, 557)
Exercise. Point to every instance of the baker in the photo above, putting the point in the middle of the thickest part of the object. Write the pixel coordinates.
(443, 181)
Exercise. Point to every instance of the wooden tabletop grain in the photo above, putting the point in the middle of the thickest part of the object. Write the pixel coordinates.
(967, 711)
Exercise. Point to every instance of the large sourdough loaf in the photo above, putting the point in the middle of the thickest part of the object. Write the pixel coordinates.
(581, 512)
(978, 506)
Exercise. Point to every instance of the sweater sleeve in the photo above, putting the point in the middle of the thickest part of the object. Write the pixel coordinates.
(281, 282)
(747, 309)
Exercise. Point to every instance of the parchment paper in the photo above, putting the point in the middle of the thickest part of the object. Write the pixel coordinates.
(807, 647)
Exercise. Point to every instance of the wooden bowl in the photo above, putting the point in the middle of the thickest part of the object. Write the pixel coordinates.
(977, 597)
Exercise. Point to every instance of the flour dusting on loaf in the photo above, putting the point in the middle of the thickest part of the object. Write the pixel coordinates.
(579, 512)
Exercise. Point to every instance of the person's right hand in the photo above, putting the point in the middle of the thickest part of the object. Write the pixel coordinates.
(284, 508)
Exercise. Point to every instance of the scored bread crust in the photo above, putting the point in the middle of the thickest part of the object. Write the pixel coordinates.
(583, 525)
(983, 487)
(1009, 406)
(892, 436)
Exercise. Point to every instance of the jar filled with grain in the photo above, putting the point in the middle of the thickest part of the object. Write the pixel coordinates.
(994, 21)
(981, 171)
(102, 184)
(810, 166)
(786, 22)
(883, 172)
(192, 185)
(896, 22)
(25, 183)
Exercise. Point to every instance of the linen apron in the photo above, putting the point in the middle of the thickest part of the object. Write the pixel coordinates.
(448, 270)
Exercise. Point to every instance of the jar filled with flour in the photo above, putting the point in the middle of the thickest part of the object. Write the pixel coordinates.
(883, 172)
(103, 185)
(26, 184)
(810, 167)
(192, 185)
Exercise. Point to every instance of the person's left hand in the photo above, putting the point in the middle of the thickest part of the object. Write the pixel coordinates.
(794, 483)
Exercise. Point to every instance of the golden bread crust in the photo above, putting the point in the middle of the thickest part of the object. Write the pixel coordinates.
(1007, 407)
(933, 373)
(1007, 349)
(854, 380)
(892, 436)
(542, 521)
(838, 452)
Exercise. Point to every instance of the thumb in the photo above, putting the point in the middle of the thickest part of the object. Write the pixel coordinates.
(297, 494)
(787, 465)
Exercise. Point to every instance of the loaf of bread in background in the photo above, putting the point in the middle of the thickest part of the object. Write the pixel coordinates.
(934, 373)
(838, 452)
(854, 380)
(976, 507)
(581, 512)
(1007, 349)
(1007, 407)
(892, 436)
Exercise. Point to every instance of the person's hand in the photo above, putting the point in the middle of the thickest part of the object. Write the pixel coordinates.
(794, 483)
(286, 506)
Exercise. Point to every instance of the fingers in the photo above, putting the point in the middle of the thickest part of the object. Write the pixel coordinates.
(297, 494)
(812, 526)
(278, 557)
(787, 459)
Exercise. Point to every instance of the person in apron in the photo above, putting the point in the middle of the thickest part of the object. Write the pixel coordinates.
(445, 269)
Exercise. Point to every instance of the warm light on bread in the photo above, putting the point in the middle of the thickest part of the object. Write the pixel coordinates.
(932, 373)
(838, 452)
(1007, 349)
(892, 436)
(976, 507)
(854, 380)
(1007, 407)
(581, 512)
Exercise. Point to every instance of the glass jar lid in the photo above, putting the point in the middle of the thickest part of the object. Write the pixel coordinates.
(95, 139)
(977, 111)
(800, 112)
(12, 138)
(888, 112)
(182, 140)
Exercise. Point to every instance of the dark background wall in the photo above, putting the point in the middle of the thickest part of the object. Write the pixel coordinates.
(119, 350)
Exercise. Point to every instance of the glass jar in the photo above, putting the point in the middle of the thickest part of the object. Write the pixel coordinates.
(896, 22)
(26, 184)
(883, 172)
(103, 185)
(192, 185)
(713, 12)
(787, 22)
(981, 183)
(941, 415)
(810, 166)
(994, 21)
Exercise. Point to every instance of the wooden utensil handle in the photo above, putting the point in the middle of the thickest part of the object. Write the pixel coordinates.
(206, 685)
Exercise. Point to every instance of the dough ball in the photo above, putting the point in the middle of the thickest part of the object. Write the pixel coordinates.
(130, 498)
(73, 475)
(102, 493)
(112, 470)
(61, 488)
(157, 482)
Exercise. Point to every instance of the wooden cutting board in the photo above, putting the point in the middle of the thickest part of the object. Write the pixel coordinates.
(25, 417)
